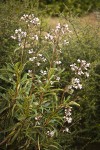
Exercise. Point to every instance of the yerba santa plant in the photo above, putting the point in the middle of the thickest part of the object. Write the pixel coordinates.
(37, 107)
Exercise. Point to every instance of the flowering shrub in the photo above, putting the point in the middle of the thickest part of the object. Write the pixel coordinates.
(36, 105)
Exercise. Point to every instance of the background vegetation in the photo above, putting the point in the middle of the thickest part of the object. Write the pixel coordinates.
(54, 7)
(85, 129)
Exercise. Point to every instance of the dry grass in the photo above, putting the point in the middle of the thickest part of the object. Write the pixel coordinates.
(90, 19)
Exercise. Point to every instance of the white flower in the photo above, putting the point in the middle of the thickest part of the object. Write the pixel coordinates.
(38, 64)
(58, 78)
(48, 37)
(16, 31)
(50, 133)
(66, 26)
(67, 116)
(66, 130)
(80, 86)
(68, 111)
(43, 59)
(40, 55)
(87, 65)
(24, 34)
(78, 60)
(83, 62)
(30, 51)
(74, 67)
(29, 71)
(69, 119)
(36, 21)
(66, 42)
(58, 26)
(80, 72)
(76, 80)
(36, 118)
(35, 37)
(76, 83)
(39, 81)
(13, 37)
(51, 82)
(10, 79)
(87, 74)
(32, 59)
(58, 62)
(70, 87)
(43, 72)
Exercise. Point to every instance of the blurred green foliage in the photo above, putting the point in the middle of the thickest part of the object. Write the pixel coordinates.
(79, 7)
(86, 128)
(55, 7)
(84, 45)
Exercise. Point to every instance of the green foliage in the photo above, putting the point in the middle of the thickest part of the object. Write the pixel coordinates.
(10, 11)
(55, 7)
(35, 92)
(33, 103)
(85, 44)
(7, 25)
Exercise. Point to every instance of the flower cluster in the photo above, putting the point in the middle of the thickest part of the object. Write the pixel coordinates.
(58, 34)
(19, 35)
(48, 36)
(57, 79)
(50, 133)
(43, 72)
(30, 19)
(65, 42)
(38, 57)
(58, 62)
(32, 59)
(81, 69)
(66, 130)
(62, 28)
(30, 51)
(35, 37)
(29, 71)
(76, 83)
(37, 118)
(67, 117)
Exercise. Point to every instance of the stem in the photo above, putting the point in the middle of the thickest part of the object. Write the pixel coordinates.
(52, 114)
(38, 143)
(62, 97)
(24, 45)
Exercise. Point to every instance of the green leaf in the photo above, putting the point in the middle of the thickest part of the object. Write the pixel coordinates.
(72, 103)
(7, 130)
(4, 109)
(15, 136)
(4, 79)
(2, 88)
(54, 146)
(24, 79)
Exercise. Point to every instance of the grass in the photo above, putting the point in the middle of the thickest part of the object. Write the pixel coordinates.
(90, 19)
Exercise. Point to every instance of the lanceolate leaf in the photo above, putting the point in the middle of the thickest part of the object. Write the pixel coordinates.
(72, 103)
